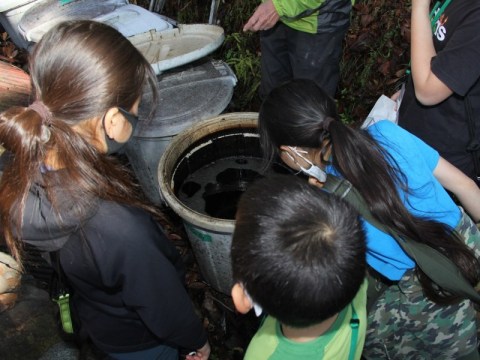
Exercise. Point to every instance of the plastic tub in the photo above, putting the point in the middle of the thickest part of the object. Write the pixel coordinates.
(48, 13)
(132, 20)
(187, 94)
(179, 46)
(202, 174)
(128, 19)
(193, 148)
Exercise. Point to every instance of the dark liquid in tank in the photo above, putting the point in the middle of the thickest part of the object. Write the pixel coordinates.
(215, 188)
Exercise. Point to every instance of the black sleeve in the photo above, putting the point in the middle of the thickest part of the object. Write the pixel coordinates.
(137, 255)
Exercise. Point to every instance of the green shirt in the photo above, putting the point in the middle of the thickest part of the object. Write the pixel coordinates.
(302, 16)
(270, 344)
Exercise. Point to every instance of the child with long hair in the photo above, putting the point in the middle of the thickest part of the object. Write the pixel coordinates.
(63, 193)
(403, 182)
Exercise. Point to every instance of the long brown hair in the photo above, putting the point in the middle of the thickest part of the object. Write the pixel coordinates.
(79, 70)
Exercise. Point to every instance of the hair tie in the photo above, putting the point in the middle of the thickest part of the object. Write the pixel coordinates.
(326, 123)
(41, 109)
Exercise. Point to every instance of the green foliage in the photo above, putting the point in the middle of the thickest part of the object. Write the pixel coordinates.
(233, 14)
(241, 51)
(246, 65)
(375, 56)
(188, 12)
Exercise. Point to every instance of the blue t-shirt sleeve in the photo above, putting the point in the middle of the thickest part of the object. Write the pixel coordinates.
(396, 139)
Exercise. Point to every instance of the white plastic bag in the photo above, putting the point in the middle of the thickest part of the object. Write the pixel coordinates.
(384, 109)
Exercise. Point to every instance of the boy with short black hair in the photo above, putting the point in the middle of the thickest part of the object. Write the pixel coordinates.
(298, 253)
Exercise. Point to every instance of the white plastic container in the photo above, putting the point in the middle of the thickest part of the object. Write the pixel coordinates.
(132, 20)
(37, 20)
(128, 19)
(178, 46)
(11, 12)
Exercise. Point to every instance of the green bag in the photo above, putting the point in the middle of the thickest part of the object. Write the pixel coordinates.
(60, 294)
(439, 268)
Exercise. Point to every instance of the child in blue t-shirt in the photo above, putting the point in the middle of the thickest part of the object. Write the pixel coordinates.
(403, 182)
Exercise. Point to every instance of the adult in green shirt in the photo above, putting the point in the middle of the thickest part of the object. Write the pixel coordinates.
(300, 40)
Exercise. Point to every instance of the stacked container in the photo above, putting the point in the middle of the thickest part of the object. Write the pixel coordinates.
(192, 86)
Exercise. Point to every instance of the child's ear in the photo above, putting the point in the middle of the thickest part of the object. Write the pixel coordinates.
(242, 302)
(113, 122)
(286, 149)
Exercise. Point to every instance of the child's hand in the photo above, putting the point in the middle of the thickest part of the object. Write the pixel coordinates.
(395, 97)
(201, 354)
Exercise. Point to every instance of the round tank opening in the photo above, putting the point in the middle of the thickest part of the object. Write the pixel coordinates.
(213, 172)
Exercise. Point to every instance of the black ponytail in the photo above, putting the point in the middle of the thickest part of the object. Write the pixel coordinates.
(295, 113)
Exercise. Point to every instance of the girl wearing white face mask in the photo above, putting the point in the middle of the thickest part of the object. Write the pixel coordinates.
(402, 181)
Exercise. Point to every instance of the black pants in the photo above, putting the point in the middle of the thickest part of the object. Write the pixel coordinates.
(291, 54)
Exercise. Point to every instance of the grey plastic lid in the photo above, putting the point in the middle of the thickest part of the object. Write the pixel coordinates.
(171, 48)
(40, 18)
(187, 94)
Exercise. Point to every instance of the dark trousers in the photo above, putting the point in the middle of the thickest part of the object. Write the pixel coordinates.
(290, 54)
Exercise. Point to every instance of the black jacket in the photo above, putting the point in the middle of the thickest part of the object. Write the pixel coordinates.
(127, 278)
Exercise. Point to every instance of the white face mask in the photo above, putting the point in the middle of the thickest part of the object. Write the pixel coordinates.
(313, 170)
(257, 308)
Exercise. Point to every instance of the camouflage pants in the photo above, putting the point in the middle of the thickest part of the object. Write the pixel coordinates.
(404, 324)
